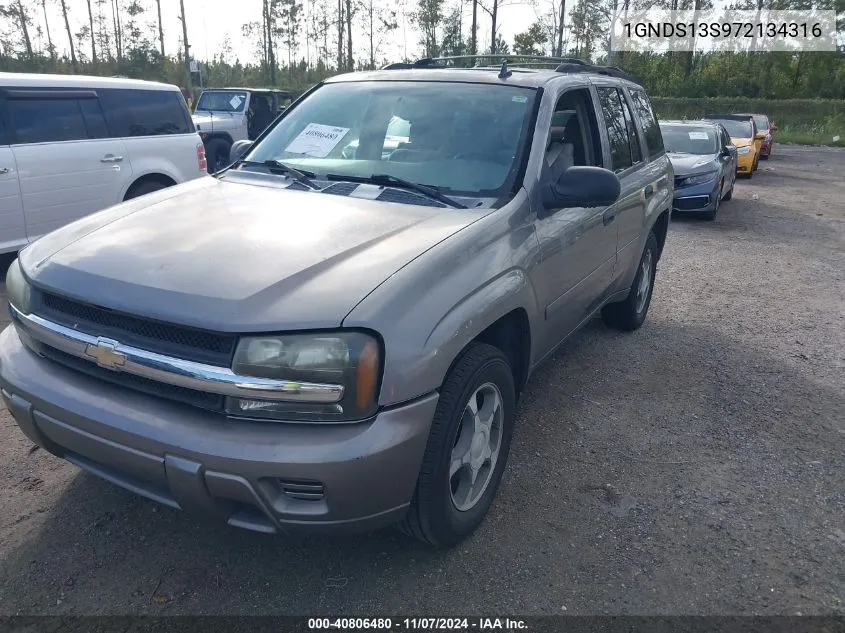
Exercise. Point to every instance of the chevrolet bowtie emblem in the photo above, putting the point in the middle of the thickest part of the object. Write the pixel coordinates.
(105, 354)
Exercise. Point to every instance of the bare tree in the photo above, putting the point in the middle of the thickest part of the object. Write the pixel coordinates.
(493, 37)
(24, 19)
(160, 27)
(69, 36)
(91, 25)
(340, 24)
(474, 34)
(118, 34)
(349, 15)
(47, 28)
(188, 81)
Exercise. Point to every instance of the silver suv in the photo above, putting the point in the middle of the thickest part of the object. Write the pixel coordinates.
(332, 334)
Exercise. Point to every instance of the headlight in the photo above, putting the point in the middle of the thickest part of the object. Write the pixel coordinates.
(326, 361)
(698, 179)
(743, 150)
(17, 289)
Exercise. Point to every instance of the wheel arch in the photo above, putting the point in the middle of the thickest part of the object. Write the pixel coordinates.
(156, 177)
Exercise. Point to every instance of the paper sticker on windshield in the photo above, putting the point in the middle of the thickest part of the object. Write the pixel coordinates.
(317, 140)
(698, 136)
(235, 102)
(519, 99)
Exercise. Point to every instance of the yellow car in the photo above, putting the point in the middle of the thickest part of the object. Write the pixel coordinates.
(746, 137)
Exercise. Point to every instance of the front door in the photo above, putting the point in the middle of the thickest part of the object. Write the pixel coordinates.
(68, 167)
(12, 227)
(577, 245)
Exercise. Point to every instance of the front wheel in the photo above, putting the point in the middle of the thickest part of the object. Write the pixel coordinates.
(467, 448)
(629, 314)
(217, 154)
(730, 193)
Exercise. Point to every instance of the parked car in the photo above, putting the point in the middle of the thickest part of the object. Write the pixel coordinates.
(224, 116)
(73, 145)
(704, 161)
(319, 343)
(766, 127)
(746, 138)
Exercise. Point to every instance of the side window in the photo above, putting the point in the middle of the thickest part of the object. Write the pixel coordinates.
(617, 130)
(648, 122)
(145, 112)
(95, 122)
(46, 120)
(633, 137)
(573, 133)
(3, 138)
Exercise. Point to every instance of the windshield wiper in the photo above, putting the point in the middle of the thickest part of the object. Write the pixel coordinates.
(303, 177)
(386, 180)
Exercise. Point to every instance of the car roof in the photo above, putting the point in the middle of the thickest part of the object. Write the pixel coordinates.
(729, 117)
(688, 123)
(33, 80)
(279, 90)
(522, 77)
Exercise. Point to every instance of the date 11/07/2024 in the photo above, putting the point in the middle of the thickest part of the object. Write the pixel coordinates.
(417, 624)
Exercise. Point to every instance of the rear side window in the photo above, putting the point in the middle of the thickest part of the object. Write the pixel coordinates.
(633, 137)
(145, 112)
(46, 120)
(648, 122)
(617, 129)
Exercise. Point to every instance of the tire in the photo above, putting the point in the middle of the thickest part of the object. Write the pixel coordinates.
(764, 156)
(217, 154)
(434, 515)
(749, 175)
(143, 188)
(755, 164)
(629, 314)
(711, 215)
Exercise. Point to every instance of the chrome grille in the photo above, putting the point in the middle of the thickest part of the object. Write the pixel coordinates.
(163, 338)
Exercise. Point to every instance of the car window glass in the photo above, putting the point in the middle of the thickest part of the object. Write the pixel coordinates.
(648, 122)
(617, 130)
(761, 122)
(95, 122)
(463, 138)
(3, 139)
(222, 101)
(46, 120)
(633, 137)
(144, 112)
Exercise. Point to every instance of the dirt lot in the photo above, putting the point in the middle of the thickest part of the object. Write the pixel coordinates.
(694, 467)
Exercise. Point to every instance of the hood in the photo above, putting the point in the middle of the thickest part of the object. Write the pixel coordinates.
(237, 256)
(688, 164)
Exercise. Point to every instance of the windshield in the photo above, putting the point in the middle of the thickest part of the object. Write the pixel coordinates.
(685, 139)
(737, 129)
(458, 137)
(222, 101)
(761, 122)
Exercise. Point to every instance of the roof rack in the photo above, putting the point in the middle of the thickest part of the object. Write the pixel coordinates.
(496, 61)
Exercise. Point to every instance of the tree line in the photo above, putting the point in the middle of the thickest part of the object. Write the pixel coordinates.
(296, 43)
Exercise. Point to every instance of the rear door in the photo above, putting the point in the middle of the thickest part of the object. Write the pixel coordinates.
(727, 157)
(12, 227)
(67, 165)
(625, 157)
(156, 129)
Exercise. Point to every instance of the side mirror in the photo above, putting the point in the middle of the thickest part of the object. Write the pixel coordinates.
(726, 150)
(759, 136)
(582, 187)
(238, 149)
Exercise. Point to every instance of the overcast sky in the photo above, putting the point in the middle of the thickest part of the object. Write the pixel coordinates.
(211, 21)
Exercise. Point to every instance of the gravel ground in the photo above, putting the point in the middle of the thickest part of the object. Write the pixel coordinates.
(693, 467)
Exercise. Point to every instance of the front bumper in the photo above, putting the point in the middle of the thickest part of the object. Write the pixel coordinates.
(745, 163)
(695, 199)
(264, 476)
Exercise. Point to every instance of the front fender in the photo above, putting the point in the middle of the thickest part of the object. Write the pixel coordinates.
(429, 311)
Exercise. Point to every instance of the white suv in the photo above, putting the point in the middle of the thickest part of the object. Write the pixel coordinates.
(71, 145)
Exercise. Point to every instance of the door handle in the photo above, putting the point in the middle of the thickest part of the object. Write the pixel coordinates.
(608, 216)
(108, 158)
(4, 170)
(649, 190)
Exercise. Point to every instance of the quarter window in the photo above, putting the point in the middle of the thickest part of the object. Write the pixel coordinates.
(633, 137)
(648, 122)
